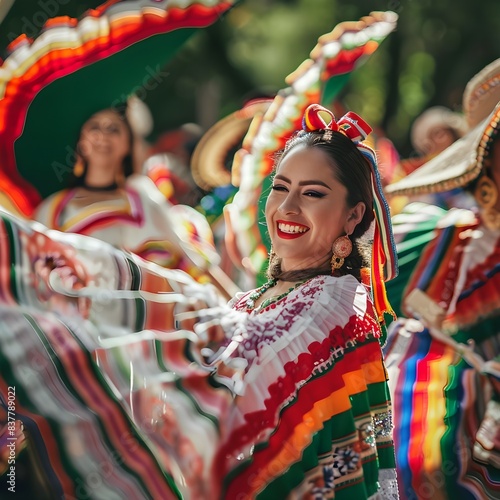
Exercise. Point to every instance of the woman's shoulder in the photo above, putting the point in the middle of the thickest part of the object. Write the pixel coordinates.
(45, 210)
(337, 285)
(322, 307)
(144, 187)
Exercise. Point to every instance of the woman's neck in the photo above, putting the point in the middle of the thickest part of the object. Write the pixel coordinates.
(109, 187)
(301, 273)
(289, 265)
(101, 176)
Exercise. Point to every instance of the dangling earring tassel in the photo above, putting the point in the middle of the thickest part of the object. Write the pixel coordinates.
(78, 168)
(341, 249)
(336, 262)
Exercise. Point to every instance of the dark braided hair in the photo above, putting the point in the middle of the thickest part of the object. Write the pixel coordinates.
(352, 170)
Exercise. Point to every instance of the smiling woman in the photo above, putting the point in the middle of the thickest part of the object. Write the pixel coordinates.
(321, 204)
(105, 199)
(299, 207)
(316, 309)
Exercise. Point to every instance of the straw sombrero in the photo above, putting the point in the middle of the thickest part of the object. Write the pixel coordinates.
(215, 150)
(461, 162)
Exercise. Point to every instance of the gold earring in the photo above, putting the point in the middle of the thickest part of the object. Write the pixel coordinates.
(78, 168)
(341, 248)
(486, 192)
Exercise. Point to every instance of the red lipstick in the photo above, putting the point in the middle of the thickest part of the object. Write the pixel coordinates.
(290, 236)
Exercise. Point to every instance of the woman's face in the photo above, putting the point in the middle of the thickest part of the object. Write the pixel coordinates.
(104, 136)
(307, 209)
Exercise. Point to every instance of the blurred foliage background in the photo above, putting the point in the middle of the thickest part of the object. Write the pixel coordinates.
(437, 48)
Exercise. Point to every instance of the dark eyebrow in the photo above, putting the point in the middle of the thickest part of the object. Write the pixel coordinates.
(303, 183)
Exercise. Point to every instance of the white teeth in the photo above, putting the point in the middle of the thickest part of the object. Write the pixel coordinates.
(287, 228)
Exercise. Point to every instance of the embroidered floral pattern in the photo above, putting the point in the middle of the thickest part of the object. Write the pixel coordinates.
(345, 461)
(292, 307)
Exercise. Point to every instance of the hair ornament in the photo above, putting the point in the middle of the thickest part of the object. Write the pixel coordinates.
(314, 122)
(351, 124)
(354, 127)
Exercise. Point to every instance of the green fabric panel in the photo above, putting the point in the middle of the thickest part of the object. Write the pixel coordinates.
(452, 421)
(281, 486)
(409, 252)
(360, 404)
(370, 473)
(361, 408)
(342, 425)
(353, 492)
(378, 394)
(325, 438)
(386, 458)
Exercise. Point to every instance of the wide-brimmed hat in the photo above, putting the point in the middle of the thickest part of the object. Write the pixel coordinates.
(482, 94)
(462, 162)
(51, 85)
(213, 155)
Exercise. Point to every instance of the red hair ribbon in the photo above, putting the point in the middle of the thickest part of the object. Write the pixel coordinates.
(351, 124)
(313, 121)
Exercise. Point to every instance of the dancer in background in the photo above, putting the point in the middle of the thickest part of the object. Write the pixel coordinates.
(109, 202)
(444, 360)
(432, 132)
